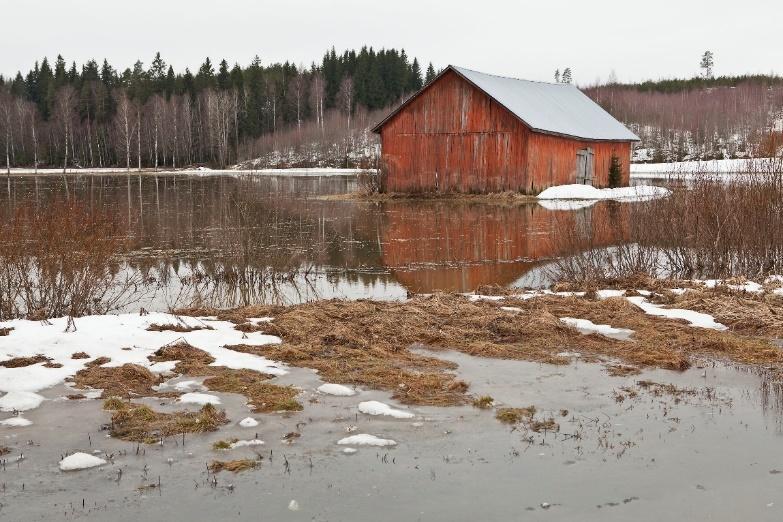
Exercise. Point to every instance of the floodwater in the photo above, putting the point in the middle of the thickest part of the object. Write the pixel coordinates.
(710, 453)
(231, 241)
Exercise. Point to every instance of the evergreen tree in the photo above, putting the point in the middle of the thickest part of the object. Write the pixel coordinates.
(615, 172)
(557, 75)
(567, 75)
(223, 77)
(205, 77)
(706, 65)
(415, 81)
(430, 74)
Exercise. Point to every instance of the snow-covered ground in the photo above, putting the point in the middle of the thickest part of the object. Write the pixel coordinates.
(696, 168)
(124, 339)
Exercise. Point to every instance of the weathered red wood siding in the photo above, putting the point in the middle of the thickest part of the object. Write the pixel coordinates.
(552, 160)
(454, 138)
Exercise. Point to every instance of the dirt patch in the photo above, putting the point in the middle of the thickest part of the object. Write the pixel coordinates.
(137, 423)
(20, 362)
(234, 466)
(126, 381)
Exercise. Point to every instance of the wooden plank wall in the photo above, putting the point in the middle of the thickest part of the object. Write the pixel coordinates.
(455, 138)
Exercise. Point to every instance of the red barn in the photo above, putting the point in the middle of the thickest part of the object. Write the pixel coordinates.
(468, 131)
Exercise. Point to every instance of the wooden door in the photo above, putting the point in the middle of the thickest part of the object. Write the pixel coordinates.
(585, 160)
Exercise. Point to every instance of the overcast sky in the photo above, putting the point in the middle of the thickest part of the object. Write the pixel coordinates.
(639, 40)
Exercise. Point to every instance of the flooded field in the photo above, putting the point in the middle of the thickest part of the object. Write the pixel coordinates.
(644, 402)
(234, 241)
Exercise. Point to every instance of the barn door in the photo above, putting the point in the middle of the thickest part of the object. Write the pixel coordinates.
(584, 166)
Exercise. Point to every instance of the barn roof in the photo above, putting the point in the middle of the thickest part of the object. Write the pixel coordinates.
(551, 108)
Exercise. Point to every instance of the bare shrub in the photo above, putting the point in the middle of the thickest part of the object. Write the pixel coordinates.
(61, 259)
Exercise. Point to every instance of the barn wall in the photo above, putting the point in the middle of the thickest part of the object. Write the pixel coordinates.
(454, 138)
(552, 160)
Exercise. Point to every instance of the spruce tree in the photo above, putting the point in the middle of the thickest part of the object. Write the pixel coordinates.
(415, 82)
(557, 75)
(567, 75)
(430, 74)
(615, 172)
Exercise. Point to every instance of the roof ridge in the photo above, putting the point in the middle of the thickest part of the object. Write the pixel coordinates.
(458, 67)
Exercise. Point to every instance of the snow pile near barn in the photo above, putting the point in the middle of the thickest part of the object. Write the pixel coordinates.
(588, 192)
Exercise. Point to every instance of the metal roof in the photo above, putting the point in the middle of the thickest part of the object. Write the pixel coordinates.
(551, 108)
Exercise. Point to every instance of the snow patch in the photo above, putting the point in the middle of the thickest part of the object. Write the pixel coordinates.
(363, 439)
(588, 192)
(350, 451)
(248, 422)
(696, 319)
(20, 401)
(79, 461)
(199, 398)
(379, 408)
(336, 389)
(586, 326)
(607, 293)
(16, 422)
(246, 443)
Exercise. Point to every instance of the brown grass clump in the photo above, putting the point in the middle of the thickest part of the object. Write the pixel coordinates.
(234, 466)
(20, 362)
(223, 444)
(515, 415)
(115, 404)
(620, 370)
(484, 403)
(192, 361)
(100, 361)
(263, 396)
(4, 450)
(128, 380)
(542, 425)
(179, 328)
(80, 355)
(75, 396)
(5, 331)
(52, 365)
(136, 423)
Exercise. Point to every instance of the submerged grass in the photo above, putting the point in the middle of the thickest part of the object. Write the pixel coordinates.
(234, 466)
(139, 423)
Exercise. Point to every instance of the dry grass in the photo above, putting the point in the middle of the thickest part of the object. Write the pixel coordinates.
(620, 370)
(367, 343)
(80, 355)
(179, 328)
(99, 361)
(128, 380)
(223, 444)
(5, 331)
(484, 403)
(19, 362)
(136, 423)
(4, 450)
(515, 415)
(263, 396)
(234, 466)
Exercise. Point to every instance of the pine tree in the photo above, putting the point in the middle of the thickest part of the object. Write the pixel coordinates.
(223, 77)
(557, 75)
(415, 82)
(430, 74)
(567, 75)
(706, 65)
(615, 172)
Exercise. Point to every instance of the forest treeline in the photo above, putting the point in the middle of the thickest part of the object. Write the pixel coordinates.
(699, 118)
(150, 116)
(285, 115)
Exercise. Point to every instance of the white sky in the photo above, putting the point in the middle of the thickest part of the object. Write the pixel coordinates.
(639, 40)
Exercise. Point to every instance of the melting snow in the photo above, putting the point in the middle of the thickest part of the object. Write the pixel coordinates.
(246, 443)
(248, 422)
(350, 451)
(19, 400)
(586, 326)
(364, 439)
(336, 389)
(107, 335)
(696, 319)
(79, 461)
(588, 192)
(379, 408)
(199, 398)
(16, 422)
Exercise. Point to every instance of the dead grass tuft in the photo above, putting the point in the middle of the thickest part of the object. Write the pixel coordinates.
(5, 331)
(223, 444)
(20, 362)
(100, 361)
(515, 415)
(179, 328)
(128, 380)
(192, 361)
(620, 370)
(137, 423)
(485, 402)
(234, 466)
(80, 355)
(4, 450)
